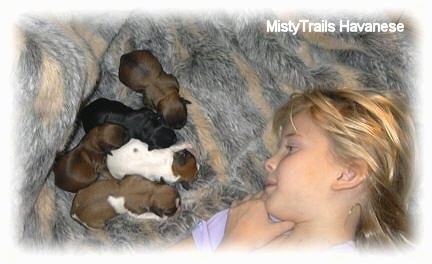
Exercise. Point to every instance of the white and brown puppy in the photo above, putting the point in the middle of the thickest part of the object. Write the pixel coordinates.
(141, 198)
(173, 164)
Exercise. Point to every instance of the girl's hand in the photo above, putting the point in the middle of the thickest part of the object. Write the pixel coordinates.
(248, 226)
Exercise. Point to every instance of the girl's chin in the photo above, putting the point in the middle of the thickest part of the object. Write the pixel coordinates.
(268, 203)
(272, 209)
(269, 189)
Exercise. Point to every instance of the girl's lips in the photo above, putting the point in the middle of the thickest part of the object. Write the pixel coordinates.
(270, 183)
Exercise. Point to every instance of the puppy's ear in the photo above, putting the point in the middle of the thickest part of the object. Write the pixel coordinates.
(107, 151)
(184, 101)
(159, 117)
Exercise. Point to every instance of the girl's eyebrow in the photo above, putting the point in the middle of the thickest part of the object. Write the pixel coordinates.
(291, 134)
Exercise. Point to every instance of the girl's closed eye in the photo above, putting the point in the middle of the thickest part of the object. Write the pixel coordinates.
(290, 143)
(290, 148)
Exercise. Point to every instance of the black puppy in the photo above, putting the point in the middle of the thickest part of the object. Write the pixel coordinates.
(143, 124)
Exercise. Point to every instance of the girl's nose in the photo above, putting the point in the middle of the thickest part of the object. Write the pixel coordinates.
(270, 164)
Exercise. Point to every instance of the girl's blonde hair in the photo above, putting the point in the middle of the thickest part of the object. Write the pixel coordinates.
(374, 126)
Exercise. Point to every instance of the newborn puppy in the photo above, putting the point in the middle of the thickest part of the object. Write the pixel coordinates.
(142, 72)
(142, 124)
(169, 165)
(135, 195)
(82, 165)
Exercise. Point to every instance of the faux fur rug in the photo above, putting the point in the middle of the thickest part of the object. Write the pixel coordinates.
(233, 71)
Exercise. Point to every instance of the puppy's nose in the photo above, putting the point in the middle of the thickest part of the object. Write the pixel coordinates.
(166, 137)
(180, 157)
(126, 137)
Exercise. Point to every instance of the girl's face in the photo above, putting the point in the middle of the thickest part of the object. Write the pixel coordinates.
(301, 172)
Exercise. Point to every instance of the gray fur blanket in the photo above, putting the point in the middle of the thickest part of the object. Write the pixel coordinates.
(233, 71)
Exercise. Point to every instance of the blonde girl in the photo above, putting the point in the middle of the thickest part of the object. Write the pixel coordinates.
(340, 180)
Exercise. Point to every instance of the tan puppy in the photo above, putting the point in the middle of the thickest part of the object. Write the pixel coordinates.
(135, 195)
(82, 165)
(142, 72)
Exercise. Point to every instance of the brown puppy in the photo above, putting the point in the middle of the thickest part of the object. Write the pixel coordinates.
(82, 165)
(143, 73)
(135, 195)
(90, 206)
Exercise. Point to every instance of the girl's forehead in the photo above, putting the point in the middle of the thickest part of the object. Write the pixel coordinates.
(301, 123)
(291, 123)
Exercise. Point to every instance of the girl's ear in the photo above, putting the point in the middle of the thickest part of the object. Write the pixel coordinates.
(352, 176)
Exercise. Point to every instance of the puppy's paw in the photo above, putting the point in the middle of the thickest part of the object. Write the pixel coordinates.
(149, 215)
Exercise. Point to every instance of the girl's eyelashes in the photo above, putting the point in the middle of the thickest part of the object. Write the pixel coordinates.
(290, 148)
(290, 143)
